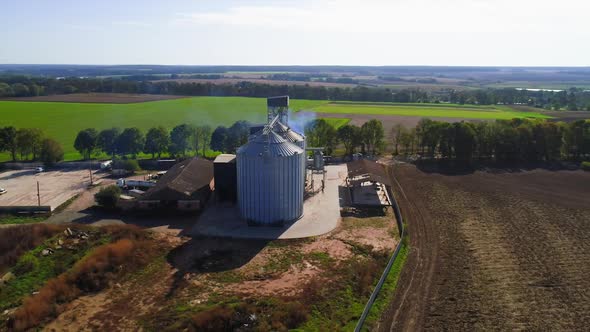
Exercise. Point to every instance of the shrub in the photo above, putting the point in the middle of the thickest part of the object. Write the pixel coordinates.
(219, 318)
(585, 165)
(130, 165)
(14, 241)
(26, 264)
(108, 197)
(131, 232)
(91, 274)
(51, 152)
(289, 316)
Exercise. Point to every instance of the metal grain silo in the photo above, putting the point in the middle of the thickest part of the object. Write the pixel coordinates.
(270, 175)
(296, 138)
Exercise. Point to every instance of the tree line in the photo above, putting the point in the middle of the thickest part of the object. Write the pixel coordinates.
(503, 140)
(178, 142)
(30, 144)
(20, 86)
(367, 139)
(184, 139)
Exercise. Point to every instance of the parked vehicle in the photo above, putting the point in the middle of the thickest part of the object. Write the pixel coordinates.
(122, 183)
(39, 169)
(105, 165)
(156, 176)
(3, 191)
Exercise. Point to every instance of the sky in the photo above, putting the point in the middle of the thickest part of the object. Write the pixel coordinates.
(321, 32)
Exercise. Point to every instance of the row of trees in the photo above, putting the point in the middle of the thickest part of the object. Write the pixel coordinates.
(502, 140)
(369, 137)
(30, 144)
(572, 99)
(132, 141)
(20, 90)
(181, 140)
(185, 138)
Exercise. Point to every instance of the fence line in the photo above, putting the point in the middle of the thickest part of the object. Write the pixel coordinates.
(402, 232)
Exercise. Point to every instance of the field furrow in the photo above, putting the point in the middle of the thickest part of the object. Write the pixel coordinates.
(511, 256)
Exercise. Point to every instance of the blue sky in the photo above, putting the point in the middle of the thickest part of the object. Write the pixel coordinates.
(344, 32)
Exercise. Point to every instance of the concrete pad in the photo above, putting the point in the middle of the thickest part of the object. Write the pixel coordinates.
(321, 214)
(55, 187)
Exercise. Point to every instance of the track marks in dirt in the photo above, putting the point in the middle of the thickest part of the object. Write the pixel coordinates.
(513, 254)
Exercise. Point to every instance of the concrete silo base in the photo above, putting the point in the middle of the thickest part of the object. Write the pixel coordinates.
(321, 215)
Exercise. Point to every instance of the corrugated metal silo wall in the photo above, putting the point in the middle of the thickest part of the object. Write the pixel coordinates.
(269, 188)
(302, 144)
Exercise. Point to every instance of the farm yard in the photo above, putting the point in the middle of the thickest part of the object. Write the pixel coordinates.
(55, 187)
(61, 117)
(494, 250)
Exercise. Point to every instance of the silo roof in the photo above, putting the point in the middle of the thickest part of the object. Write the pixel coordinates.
(225, 158)
(287, 133)
(269, 143)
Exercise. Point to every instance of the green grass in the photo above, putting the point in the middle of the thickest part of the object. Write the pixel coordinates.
(337, 122)
(387, 291)
(63, 121)
(12, 220)
(419, 105)
(427, 110)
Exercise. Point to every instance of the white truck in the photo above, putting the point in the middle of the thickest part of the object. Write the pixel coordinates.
(106, 164)
(123, 183)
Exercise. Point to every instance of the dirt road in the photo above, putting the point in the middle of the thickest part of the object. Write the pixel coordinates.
(494, 251)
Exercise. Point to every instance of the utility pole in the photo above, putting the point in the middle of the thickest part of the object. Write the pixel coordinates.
(90, 170)
(38, 195)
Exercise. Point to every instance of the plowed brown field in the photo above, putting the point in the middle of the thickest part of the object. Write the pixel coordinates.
(494, 251)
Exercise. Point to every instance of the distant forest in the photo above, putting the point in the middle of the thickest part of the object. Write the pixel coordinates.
(574, 99)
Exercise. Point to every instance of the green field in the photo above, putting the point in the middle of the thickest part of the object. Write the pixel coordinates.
(428, 110)
(62, 121)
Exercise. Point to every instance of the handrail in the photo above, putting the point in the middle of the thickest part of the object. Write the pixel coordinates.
(402, 231)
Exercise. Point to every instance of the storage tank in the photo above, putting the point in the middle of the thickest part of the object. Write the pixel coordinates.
(296, 138)
(270, 178)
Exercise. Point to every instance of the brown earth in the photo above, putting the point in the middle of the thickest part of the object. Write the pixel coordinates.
(493, 251)
(107, 98)
(193, 271)
(566, 116)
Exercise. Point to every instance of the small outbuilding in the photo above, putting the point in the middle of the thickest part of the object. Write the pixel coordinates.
(368, 183)
(224, 170)
(185, 186)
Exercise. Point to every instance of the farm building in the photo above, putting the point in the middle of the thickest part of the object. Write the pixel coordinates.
(224, 170)
(186, 186)
(368, 183)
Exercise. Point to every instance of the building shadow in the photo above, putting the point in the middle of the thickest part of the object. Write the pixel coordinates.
(19, 174)
(180, 222)
(211, 254)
